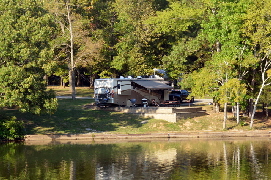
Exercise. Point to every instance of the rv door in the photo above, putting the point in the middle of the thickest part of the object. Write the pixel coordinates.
(124, 87)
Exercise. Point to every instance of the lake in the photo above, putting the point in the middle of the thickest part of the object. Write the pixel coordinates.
(240, 159)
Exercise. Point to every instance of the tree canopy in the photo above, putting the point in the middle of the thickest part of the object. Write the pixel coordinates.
(25, 50)
(219, 48)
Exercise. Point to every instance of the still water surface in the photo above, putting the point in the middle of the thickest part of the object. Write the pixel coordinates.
(186, 159)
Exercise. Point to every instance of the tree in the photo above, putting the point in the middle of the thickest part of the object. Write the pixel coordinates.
(97, 44)
(179, 24)
(25, 49)
(11, 128)
(223, 30)
(257, 28)
(266, 100)
(232, 91)
(132, 50)
(69, 15)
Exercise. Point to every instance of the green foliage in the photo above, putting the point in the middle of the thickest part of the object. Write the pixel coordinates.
(181, 23)
(11, 128)
(25, 88)
(266, 95)
(26, 29)
(25, 49)
(177, 19)
(105, 74)
(180, 59)
(257, 25)
(135, 50)
(201, 82)
(232, 91)
(205, 43)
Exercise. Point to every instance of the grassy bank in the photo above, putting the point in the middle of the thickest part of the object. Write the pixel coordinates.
(73, 117)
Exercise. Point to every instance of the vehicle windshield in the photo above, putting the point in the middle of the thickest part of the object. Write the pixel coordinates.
(101, 96)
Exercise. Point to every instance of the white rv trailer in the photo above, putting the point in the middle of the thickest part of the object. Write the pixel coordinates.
(131, 91)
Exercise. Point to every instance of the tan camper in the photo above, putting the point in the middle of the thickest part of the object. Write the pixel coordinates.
(131, 91)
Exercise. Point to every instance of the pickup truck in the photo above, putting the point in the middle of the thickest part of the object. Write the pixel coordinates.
(180, 95)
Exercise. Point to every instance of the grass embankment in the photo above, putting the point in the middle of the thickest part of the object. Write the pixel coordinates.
(72, 117)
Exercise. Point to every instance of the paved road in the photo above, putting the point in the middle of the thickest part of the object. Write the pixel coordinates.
(197, 101)
(203, 100)
(69, 97)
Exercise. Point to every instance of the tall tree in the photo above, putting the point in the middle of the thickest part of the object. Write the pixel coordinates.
(69, 15)
(25, 49)
(223, 31)
(131, 57)
(179, 24)
(258, 29)
(97, 53)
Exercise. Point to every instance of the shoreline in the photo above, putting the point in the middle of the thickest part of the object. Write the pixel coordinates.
(110, 138)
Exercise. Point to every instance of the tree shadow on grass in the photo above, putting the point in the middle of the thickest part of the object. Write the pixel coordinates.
(72, 118)
(261, 122)
(78, 121)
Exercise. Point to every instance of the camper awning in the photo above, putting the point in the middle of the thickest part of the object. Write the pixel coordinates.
(153, 85)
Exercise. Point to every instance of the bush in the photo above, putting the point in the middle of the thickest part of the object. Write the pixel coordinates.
(11, 129)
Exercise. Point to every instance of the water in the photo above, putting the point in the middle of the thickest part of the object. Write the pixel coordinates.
(186, 159)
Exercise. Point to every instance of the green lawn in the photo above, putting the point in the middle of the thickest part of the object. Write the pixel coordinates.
(72, 117)
(80, 91)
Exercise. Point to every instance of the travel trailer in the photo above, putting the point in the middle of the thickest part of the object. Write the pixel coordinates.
(131, 91)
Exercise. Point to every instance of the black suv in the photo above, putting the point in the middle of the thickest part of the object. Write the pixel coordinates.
(179, 95)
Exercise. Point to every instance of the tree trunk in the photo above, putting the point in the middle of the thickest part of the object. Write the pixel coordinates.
(217, 106)
(225, 116)
(71, 72)
(91, 81)
(72, 83)
(255, 106)
(62, 82)
(233, 109)
(266, 110)
(250, 107)
(45, 77)
(78, 82)
(237, 112)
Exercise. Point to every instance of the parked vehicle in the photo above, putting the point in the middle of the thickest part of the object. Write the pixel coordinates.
(131, 91)
(180, 95)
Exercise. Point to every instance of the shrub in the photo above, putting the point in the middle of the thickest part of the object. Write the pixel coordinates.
(10, 128)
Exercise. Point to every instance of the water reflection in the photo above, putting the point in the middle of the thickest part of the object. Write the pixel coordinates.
(194, 159)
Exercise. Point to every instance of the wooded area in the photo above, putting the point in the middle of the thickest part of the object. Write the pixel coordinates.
(215, 48)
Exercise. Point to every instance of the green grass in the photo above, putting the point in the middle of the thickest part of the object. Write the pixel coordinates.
(80, 91)
(72, 118)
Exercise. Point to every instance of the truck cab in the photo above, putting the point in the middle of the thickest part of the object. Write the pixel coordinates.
(180, 95)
